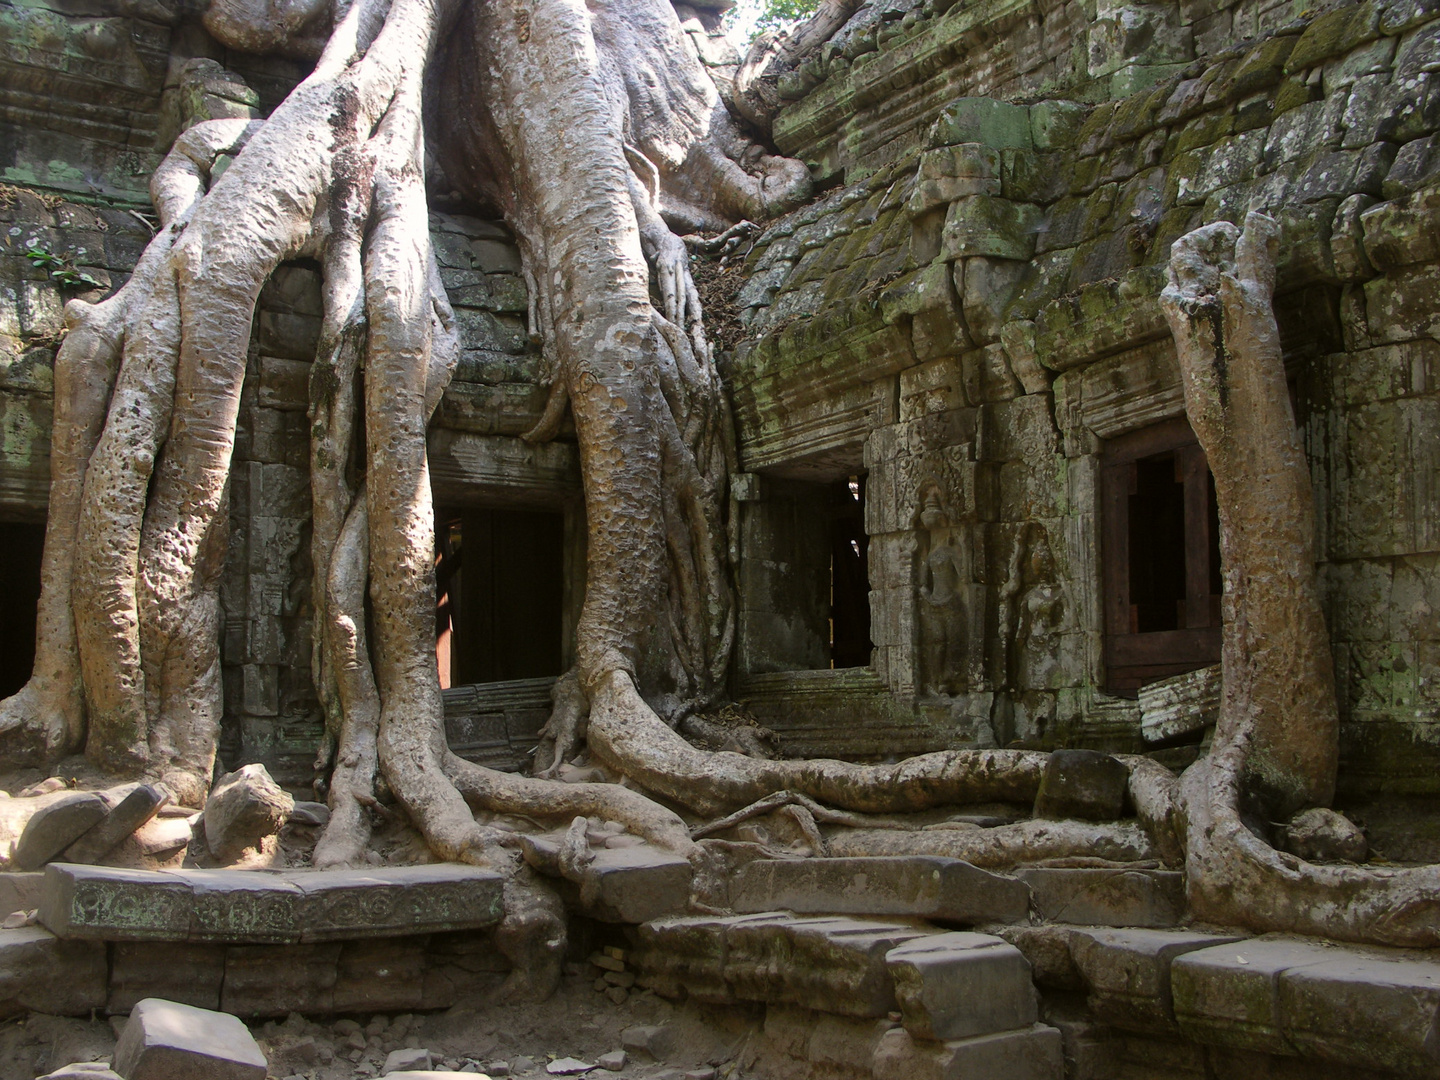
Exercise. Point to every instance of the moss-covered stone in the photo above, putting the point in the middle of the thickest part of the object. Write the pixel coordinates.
(1334, 34)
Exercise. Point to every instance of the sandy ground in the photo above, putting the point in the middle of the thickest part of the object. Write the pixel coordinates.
(500, 1040)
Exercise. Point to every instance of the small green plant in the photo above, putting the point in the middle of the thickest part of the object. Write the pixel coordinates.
(59, 268)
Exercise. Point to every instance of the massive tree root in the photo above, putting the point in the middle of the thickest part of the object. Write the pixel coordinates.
(1276, 743)
(597, 134)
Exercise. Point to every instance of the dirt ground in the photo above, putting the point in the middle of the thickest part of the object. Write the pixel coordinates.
(499, 1040)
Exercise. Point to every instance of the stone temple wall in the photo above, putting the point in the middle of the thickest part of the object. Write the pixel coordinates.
(970, 317)
(966, 316)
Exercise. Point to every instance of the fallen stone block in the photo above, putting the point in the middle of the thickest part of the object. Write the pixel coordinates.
(1179, 706)
(129, 814)
(1128, 973)
(648, 1042)
(1088, 896)
(1033, 1053)
(54, 827)
(243, 809)
(1084, 784)
(634, 885)
(21, 892)
(114, 904)
(164, 1040)
(391, 901)
(923, 886)
(83, 1070)
(957, 985)
(176, 971)
(41, 973)
(1366, 1010)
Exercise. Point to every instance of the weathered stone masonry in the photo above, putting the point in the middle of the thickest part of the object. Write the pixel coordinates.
(974, 308)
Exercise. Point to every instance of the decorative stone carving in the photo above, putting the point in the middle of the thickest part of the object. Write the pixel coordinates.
(951, 607)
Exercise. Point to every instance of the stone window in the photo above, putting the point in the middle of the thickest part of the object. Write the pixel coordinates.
(499, 595)
(1161, 557)
(20, 547)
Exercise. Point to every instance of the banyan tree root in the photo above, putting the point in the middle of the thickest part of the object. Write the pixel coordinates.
(1276, 739)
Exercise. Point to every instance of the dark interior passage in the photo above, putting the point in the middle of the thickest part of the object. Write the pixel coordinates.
(850, 643)
(20, 549)
(500, 589)
(1161, 555)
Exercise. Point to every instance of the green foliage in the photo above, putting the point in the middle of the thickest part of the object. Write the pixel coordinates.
(751, 18)
(59, 268)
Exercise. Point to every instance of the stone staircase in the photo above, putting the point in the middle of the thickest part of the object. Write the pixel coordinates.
(903, 968)
(847, 949)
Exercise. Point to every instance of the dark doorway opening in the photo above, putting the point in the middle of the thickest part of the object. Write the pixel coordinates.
(500, 595)
(850, 643)
(20, 549)
(1161, 557)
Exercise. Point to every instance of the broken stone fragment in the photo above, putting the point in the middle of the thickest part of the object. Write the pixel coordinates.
(1321, 835)
(130, 814)
(1084, 784)
(55, 827)
(244, 808)
(407, 1060)
(568, 1066)
(164, 1040)
(614, 1061)
(83, 1070)
(310, 813)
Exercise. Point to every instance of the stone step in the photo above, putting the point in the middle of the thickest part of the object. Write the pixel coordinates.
(927, 887)
(1086, 896)
(1361, 1007)
(958, 985)
(255, 907)
(834, 965)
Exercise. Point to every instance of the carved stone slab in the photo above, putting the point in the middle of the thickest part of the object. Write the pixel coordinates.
(399, 900)
(260, 908)
(114, 904)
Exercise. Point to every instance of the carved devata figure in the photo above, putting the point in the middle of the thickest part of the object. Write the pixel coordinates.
(952, 601)
(586, 125)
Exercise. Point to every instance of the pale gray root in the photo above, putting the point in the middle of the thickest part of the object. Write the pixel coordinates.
(509, 793)
(356, 764)
(268, 206)
(1235, 878)
(532, 936)
(1278, 675)
(1155, 791)
(564, 732)
(626, 734)
(1276, 741)
(46, 718)
(1003, 846)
